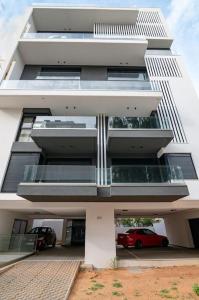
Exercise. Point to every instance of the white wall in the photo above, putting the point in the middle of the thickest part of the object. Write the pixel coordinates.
(159, 228)
(9, 123)
(16, 67)
(187, 102)
(7, 221)
(100, 247)
(30, 27)
(178, 229)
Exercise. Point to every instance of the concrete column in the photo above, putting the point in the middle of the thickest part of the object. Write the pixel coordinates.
(100, 247)
(178, 230)
(64, 231)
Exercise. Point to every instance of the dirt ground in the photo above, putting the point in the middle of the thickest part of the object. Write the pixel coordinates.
(141, 284)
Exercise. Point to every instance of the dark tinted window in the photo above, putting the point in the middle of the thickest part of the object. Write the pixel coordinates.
(127, 74)
(135, 161)
(148, 232)
(53, 72)
(16, 168)
(25, 129)
(39, 230)
(27, 122)
(185, 162)
(68, 161)
(140, 231)
(131, 231)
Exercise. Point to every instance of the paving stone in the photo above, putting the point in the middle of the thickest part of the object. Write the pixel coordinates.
(38, 280)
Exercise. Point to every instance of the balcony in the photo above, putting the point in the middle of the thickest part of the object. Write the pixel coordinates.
(80, 18)
(77, 36)
(125, 184)
(134, 97)
(85, 49)
(76, 50)
(58, 183)
(147, 183)
(65, 135)
(137, 135)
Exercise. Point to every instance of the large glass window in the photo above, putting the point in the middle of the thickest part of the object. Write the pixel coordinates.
(127, 74)
(59, 73)
(27, 122)
(25, 130)
(16, 168)
(184, 161)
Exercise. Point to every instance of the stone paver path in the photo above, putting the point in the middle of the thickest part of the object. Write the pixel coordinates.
(38, 280)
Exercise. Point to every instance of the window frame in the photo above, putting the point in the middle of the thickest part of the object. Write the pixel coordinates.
(166, 158)
(127, 70)
(65, 69)
(28, 115)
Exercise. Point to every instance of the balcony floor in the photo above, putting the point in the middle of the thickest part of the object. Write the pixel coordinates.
(129, 103)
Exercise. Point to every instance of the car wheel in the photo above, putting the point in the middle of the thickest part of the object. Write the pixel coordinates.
(138, 244)
(165, 243)
(54, 243)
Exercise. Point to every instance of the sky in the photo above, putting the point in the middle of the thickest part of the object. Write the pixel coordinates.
(182, 17)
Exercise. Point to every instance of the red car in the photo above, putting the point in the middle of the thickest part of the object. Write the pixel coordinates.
(141, 237)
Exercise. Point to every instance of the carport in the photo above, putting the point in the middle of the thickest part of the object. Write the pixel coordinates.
(181, 250)
(68, 223)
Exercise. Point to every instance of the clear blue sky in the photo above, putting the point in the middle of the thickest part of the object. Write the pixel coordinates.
(182, 17)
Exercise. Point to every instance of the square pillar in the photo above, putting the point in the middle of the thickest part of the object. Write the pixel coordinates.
(100, 248)
(178, 229)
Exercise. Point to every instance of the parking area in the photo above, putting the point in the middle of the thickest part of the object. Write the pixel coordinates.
(156, 257)
(60, 253)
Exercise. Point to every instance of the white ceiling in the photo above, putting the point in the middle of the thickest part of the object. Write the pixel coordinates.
(153, 212)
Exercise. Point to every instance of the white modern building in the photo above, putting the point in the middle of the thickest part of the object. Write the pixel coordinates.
(98, 120)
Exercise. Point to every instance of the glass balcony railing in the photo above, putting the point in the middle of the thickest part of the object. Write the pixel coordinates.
(77, 85)
(77, 35)
(145, 174)
(119, 174)
(17, 243)
(53, 122)
(59, 174)
(134, 122)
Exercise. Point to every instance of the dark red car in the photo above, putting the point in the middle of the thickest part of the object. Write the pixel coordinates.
(46, 236)
(141, 237)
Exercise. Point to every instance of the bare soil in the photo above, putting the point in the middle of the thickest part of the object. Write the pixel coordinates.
(141, 284)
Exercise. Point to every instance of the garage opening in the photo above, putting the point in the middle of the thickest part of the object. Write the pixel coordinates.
(70, 238)
(140, 232)
(143, 241)
(194, 226)
(55, 224)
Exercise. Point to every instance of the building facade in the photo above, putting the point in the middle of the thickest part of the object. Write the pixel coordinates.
(98, 120)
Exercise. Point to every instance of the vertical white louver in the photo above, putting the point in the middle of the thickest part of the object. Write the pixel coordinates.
(148, 24)
(162, 66)
(148, 17)
(167, 111)
(161, 69)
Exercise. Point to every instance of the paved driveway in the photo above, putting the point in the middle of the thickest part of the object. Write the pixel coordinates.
(34, 280)
(154, 257)
(60, 253)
